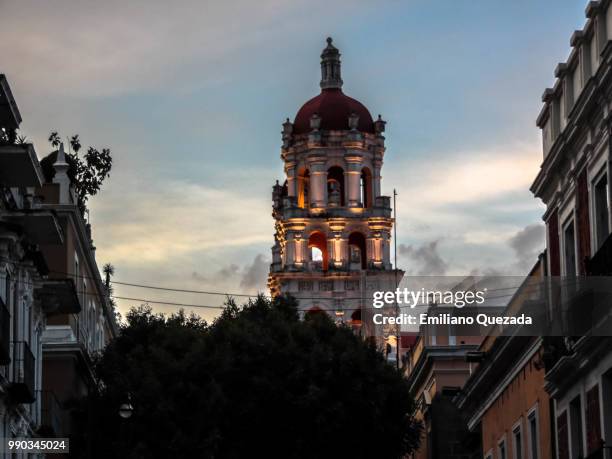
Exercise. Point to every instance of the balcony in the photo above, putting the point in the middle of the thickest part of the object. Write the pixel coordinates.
(58, 296)
(50, 424)
(5, 338)
(19, 166)
(40, 226)
(600, 264)
(21, 388)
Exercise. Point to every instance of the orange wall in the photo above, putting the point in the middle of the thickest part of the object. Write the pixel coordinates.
(525, 390)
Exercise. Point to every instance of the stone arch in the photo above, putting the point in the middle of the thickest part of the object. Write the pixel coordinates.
(318, 241)
(357, 249)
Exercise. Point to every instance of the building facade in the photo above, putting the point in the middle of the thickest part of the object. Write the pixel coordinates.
(504, 400)
(436, 368)
(574, 184)
(73, 335)
(26, 300)
(55, 312)
(333, 225)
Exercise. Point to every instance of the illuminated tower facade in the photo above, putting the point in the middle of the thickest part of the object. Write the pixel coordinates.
(333, 225)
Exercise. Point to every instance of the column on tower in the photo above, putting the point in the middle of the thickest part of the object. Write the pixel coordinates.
(375, 249)
(290, 249)
(291, 172)
(318, 184)
(377, 163)
(338, 244)
(354, 163)
(301, 249)
(386, 242)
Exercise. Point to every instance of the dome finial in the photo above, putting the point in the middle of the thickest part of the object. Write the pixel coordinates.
(330, 67)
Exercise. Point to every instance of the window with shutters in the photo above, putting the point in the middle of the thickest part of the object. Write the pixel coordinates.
(532, 430)
(576, 427)
(562, 437)
(501, 449)
(592, 416)
(569, 249)
(601, 198)
(517, 441)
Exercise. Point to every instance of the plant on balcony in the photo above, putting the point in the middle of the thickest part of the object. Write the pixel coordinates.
(87, 172)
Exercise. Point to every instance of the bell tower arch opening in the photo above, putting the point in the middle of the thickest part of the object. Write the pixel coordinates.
(303, 195)
(335, 186)
(366, 188)
(317, 244)
(357, 250)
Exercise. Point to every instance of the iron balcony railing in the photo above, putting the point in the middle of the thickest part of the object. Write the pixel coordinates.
(21, 387)
(5, 337)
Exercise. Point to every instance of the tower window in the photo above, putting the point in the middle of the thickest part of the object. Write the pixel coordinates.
(317, 243)
(304, 189)
(357, 251)
(366, 188)
(335, 186)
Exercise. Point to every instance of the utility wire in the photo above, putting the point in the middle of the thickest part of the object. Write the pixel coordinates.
(231, 294)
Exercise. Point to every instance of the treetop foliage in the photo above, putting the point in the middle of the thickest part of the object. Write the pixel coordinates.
(256, 382)
(87, 172)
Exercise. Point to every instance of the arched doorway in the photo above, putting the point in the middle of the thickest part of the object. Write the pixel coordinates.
(356, 317)
(317, 244)
(313, 312)
(357, 251)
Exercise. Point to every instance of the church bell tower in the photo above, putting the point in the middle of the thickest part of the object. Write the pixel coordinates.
(333, 225)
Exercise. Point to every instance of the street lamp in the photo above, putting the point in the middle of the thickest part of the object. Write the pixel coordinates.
(126, 409)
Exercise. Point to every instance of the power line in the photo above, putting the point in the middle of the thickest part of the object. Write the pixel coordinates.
(182, 290)
(523, 288)
(230, 294)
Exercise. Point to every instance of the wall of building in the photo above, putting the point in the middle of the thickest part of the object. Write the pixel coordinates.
(524, 394)
(579, 437)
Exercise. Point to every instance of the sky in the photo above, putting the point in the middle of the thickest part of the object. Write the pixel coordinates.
(190, 97)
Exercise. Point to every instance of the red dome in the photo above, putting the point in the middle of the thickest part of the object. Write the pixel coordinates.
(334, 108)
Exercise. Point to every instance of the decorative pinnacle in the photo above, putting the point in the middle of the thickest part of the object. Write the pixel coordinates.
(330, 67)
(61, 155)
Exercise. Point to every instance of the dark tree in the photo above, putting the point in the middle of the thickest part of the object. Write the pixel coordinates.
(87, 172)
(258, 382)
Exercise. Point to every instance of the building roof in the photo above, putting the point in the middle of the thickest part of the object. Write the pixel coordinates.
(9, 113)
(334, 107)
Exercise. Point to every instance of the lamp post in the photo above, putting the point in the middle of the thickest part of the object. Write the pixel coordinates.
(126, 409)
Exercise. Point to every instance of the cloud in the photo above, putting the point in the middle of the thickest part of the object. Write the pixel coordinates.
(527, 244)
(456, 177)
(255, 275)
(426, 258)
(164, 222)
(116, 47)
(473, 201)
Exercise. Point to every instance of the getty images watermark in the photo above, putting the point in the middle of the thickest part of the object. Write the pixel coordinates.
(479, 305)
(403, 298)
